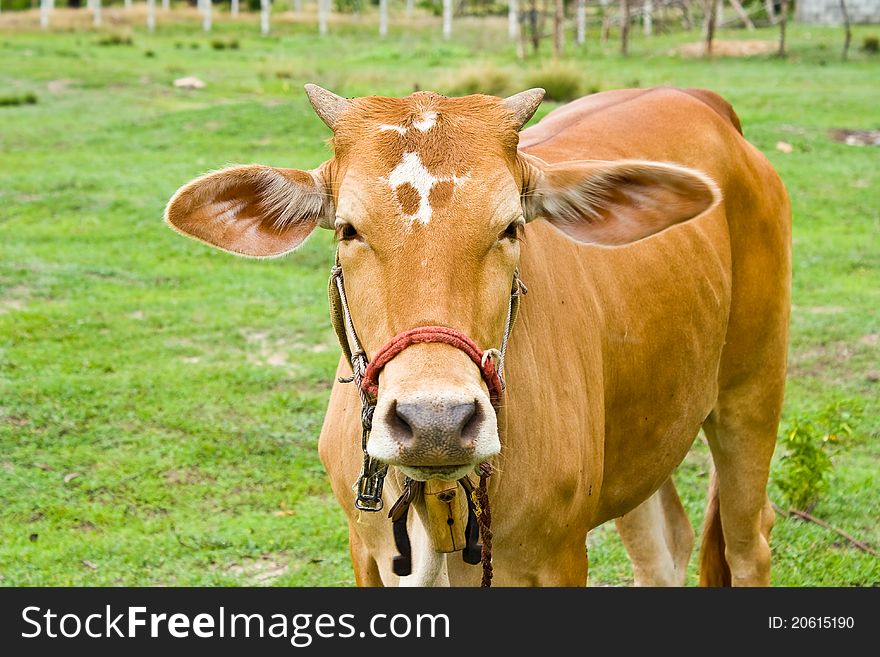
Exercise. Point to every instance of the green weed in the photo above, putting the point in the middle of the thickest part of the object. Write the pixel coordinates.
(806, 465)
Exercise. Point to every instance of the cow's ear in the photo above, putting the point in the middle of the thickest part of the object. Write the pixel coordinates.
(253, 210)
(614, 203)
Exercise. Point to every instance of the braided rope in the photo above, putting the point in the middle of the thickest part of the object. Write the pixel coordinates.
(484, 520)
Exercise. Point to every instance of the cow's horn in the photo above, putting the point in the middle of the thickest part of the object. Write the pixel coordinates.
(327, 105)
(524, 104)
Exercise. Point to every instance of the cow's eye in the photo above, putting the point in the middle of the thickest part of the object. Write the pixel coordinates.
(345, 232)
(513, 229)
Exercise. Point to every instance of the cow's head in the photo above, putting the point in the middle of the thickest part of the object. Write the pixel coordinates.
(428, 197)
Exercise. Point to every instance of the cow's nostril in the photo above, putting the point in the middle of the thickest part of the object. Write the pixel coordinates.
(471, 426)
(401, 429)
(436, 419)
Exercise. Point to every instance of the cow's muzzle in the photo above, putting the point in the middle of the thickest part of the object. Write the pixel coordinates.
(434, 414)
(434, 435)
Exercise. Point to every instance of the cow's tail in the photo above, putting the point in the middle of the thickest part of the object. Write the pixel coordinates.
(714, 570)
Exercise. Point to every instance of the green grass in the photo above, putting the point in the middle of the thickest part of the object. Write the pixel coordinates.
(160, 402)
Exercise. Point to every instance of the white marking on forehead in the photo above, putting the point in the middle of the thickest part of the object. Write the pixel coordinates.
(411, 171)
(385, 127)
(426, 121)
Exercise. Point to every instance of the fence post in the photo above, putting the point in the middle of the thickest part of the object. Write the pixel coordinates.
(581, 19)
(265, 7)
(323, 10)
(383, 18)
(512, 19)
(44, 13)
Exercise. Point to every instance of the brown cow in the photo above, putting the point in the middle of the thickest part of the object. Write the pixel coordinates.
(659, 276)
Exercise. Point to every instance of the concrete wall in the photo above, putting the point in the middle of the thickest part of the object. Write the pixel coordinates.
(827, 12)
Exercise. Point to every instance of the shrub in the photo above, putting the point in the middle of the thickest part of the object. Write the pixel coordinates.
(805, 468)
(434, 6)
(562, 82)
(220, 44)
(481, 80)
(24, 99)
(871, 45)
(348, 6)
(116, 40)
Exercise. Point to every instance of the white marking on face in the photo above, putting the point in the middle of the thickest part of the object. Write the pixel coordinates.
(385, 127)
(426, 121)
(411, 171)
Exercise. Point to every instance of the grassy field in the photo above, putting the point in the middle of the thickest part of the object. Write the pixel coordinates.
(160, 402)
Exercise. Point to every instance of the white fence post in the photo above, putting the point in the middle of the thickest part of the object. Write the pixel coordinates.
(323, 11)
(447, 19)
(96, 6)
(265, 9)
(648, 17)
(581, 21)
(45, 9)
(512, 19)
(207, 16)
(383, 17)
(151, 15)
(166, 5)
(233, 8)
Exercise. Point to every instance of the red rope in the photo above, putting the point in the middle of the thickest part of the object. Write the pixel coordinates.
(427, 334)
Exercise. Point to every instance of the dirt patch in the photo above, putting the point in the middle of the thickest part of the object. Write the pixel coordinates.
(749, 48)
(85, 526)
(823, 361)
(9, 305)
(820, 310)
(185, 476)
(856, 137)
(277, 352)
(58, 86)
(14, 298)
(264, 570)
(16, 420)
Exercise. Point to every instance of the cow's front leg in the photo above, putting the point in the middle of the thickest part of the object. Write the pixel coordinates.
(366, 570)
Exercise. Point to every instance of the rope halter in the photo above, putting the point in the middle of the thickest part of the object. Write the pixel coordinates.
(365, 375)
